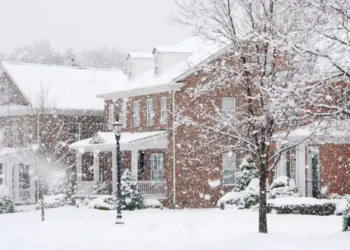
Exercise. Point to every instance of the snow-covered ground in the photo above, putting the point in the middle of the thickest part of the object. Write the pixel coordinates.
(71, 228)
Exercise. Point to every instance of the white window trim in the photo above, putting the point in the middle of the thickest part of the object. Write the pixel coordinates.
(15, 135)
(156, 65)
(136, 113)
(225, 110)
(123, 113)
(164, 110)
(130, 73)
(157, 164)
(111, 118)
(79, 132)
(228, 167)
(149, 112)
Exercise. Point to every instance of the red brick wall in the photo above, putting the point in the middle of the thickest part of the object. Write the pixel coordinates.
(335, 167)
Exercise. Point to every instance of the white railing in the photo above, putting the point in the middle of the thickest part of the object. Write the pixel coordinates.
(86, 188)
(153, 189)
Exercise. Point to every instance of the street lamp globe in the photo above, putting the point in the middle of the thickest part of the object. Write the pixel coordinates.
(117, 128)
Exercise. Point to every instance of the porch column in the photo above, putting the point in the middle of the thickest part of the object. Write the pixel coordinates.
(96, 167)
(114, 170)
(300, 168)
(134, 156)
(79, 167)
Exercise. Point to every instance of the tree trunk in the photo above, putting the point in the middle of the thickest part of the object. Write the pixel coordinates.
(262, 199)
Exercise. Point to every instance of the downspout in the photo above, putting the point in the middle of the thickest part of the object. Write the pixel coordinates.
(174, 159)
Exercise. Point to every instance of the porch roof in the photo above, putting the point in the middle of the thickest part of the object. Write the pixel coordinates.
(326, 131)
(105, 141)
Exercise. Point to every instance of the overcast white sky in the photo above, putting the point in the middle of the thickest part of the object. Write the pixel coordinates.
(78, 24)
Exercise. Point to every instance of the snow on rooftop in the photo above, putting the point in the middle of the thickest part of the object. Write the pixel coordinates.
(198, 50)
(108, 138)
(146, 55)
(65, 87)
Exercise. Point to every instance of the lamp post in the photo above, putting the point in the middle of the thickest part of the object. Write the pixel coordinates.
(117, 132)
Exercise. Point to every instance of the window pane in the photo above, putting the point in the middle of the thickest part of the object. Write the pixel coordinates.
(229, 177)
(1, 169)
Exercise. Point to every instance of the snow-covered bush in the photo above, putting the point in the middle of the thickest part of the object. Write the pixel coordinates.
(243, 200)
(131, 198)
(341, 201)
(106, 202)
(53, 201)
(152, 203)
(282, 186)
(247, 172)
(6, 202)
(346, 221)
(300, 205)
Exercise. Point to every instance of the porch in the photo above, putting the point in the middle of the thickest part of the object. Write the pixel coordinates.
(96, 163)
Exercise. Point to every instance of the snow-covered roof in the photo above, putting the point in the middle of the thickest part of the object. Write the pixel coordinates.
(327, 131)
(198, 50)
(20, 110)
(107, 140)
(11, 151)
(146, 55)
(64, 87)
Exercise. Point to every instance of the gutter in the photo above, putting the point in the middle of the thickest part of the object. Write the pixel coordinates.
(174, 158)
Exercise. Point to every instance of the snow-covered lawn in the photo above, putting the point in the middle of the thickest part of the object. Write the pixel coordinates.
(71, 228)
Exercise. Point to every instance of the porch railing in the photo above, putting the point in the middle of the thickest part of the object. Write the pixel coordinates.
(148, 189)
(153, 189)
(87, 188)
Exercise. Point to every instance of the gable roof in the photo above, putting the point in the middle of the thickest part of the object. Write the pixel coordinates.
(198, 51)
(64, 87)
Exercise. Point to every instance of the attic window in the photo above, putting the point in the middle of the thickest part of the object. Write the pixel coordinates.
(130, 69)
(156, 65)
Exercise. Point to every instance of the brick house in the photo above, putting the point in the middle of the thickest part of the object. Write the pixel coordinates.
(43, 109)
(167, 160)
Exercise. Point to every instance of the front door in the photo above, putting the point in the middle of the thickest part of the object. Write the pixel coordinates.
(313, 173)
(24, 193)
(315, 176)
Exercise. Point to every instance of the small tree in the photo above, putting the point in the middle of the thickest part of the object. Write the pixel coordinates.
(247, 172)
(130, 196)
(6, 202)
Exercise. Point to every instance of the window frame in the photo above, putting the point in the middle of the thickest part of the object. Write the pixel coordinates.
(156, 65)
(2, 173)
(76, 136)
(111, 115)
(346, 98)
(229, 166)
(157, 166)
(163, 110)
(228, 112)
(130, 74)
(149, 112)
(123, 107)
(136, 114)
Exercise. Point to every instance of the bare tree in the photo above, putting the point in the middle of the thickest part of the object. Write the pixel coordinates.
(272, 80)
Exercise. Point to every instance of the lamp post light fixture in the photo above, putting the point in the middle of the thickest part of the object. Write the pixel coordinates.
(117, 132)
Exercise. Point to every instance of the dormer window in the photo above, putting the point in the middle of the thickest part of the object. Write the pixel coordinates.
(156, 65)
(130, 69)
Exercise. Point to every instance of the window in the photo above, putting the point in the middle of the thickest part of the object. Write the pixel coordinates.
(1, 173)
(75, 131)
(346, 98)
(111, 118)
(123, 113)
(228, 107)
(130, 69)
(15, 135)
(229, 168)
(149, 112)
(163, 110)
(157, 167)
(291, 163)
(24, 177)
(136, 114)
(25, 133)
(156, 65)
